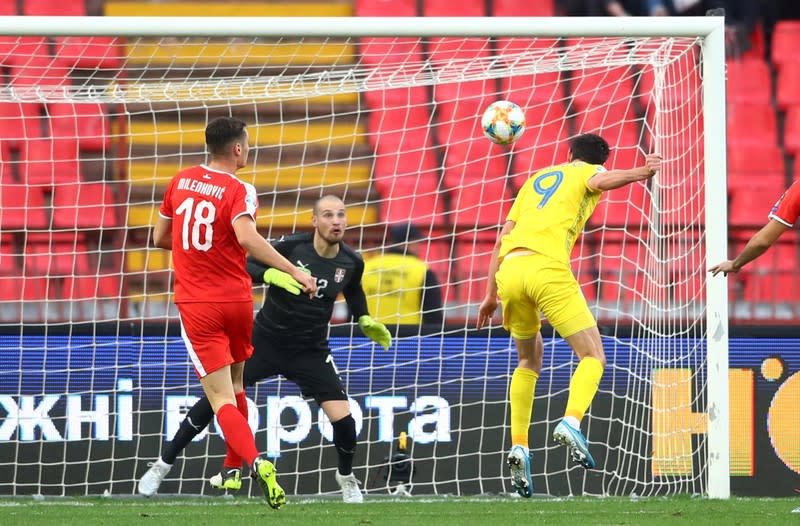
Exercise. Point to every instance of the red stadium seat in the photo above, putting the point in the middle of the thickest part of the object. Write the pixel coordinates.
(80, 52)
(751, 200)
(88, 52)
(53, 8)
(8, 7)
(88, 122)
(19, 121)
(620, 266)
(385, 7)
(471, 265)
(601, 87)
(8, 256)
(450, 8)
(759, 159)
(538, 88)
(749, 81)
(6, 173)
(523, 8)
(480, 203)
(785, 42)
(56, 255)
(19, 51)
(49, 162)
(390, 51)
(456, 53)
(614, 122)
(86, 205)
(682, 84)
(627, 206)
(436, 254)
(397, 121)
(788, 85)
(22, 208)
(751, 123)
(412, 199)
(38, 73)
(791, 134)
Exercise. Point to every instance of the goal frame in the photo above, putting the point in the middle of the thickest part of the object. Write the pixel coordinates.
(710, 29)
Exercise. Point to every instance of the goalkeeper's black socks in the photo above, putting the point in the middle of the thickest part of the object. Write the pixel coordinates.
(344, 438)
(198, 417)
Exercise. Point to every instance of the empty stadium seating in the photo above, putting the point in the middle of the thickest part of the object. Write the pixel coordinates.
(87, 122)
(751, 200)
(450, 8)
(56, 254)
(788, 85)
(751, 123)
(22, 208)
(749, 81)
(523, 8)
(19, 121)
(86, 205)
(47, 162)
(628, 206)
(785, 42)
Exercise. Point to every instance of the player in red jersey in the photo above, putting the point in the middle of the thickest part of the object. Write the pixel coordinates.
(207, 218)
(782, 217)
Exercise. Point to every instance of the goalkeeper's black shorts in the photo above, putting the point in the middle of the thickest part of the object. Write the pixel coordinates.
(312, 370)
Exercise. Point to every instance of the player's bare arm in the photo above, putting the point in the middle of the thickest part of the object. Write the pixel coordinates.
(758, 244)
(489, 303)
(258, 247)
(162, 233)
(612, 179)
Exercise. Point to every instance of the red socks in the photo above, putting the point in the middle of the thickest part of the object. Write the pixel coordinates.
(238, 436)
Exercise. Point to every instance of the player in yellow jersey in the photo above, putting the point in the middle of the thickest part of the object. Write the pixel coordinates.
(530, 272)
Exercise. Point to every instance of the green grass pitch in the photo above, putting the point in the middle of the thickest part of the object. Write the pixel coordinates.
(437, 511)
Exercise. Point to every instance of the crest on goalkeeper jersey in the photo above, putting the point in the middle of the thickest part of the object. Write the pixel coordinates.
(503, 122)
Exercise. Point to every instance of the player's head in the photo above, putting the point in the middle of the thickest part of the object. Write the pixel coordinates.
(226, 138)
(406, 237)
(589, 148)
(329, 219)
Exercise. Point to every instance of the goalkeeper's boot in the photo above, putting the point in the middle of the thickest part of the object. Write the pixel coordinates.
(351, 493)
(519, 461)
(152, 479)
(566, 435)
(264, 473)
(228, 479)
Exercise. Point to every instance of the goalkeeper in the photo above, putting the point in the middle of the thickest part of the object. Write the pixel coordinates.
(290, 338)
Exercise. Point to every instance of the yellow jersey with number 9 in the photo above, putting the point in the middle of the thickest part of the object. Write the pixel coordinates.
(551, 209)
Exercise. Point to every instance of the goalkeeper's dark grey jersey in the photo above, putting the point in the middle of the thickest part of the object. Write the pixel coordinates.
(302, 321)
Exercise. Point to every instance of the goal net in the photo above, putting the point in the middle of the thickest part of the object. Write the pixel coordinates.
(94, 377)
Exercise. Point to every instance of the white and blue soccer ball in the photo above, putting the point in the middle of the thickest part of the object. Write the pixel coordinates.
(503, 122)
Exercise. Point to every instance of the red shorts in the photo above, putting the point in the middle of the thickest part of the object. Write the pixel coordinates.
(216, 334)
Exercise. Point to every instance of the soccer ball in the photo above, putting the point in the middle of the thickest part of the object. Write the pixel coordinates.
(503, 122)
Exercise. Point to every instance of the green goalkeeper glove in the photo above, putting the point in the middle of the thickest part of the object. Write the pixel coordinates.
(375, 331)
(273, 276)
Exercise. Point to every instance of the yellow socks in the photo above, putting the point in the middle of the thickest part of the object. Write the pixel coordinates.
(582, 387)
(523, 384)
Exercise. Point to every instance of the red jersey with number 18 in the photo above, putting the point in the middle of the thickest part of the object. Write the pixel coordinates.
(210, 265)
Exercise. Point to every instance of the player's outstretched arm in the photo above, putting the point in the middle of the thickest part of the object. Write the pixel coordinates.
(258, 247)
(758, 244)
(489, 303)
(611, 179)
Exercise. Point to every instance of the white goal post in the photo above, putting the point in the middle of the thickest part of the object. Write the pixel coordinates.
(697, 323)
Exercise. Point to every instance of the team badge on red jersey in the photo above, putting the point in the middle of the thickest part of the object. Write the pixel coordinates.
(338, 276)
